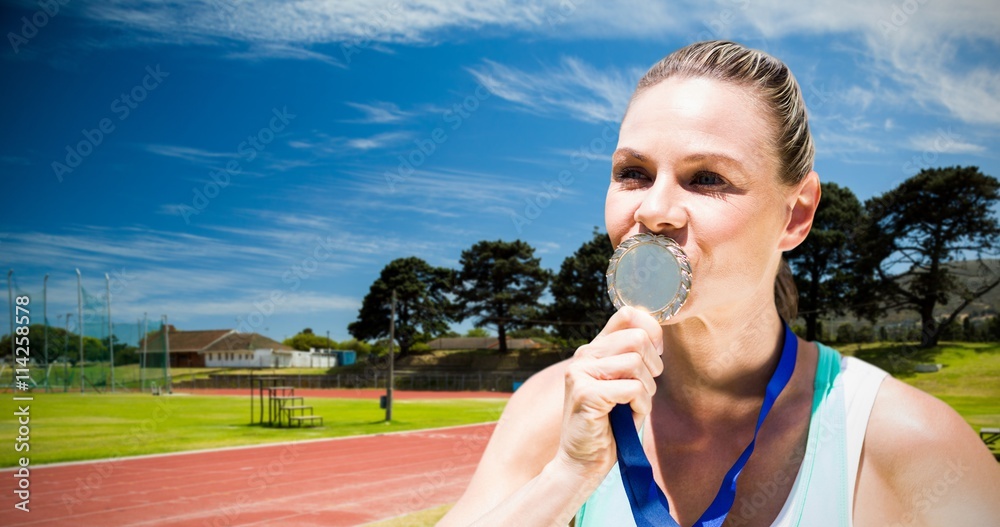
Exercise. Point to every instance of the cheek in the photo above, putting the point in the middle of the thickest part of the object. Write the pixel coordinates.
(731, 240)
(618, 216)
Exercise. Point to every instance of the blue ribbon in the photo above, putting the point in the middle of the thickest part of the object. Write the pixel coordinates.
(649, 505)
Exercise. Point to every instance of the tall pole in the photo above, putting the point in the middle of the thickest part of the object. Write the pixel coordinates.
(166, 354)
(111, 335)
(10, 300)
(142, 359)
(79, 317)
(392, 359)
(66, 355)
(45, 328)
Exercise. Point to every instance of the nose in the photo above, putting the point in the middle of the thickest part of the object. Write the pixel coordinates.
(661, 210)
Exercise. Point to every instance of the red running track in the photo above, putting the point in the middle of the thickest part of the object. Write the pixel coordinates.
(333, 482)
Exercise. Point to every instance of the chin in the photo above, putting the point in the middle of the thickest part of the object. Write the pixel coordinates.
(683, 315)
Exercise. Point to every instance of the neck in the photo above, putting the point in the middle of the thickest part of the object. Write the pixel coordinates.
(711, 366)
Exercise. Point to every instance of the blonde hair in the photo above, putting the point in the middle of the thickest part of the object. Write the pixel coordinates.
(768, 79)
(786, 295)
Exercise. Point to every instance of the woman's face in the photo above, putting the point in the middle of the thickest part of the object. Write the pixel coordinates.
(695, 162)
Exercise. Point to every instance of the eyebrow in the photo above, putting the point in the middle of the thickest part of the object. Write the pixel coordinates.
(718, 156)
(629, 152)
(624, 152)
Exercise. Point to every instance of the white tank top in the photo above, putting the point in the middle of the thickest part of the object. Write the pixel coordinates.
(823, 491)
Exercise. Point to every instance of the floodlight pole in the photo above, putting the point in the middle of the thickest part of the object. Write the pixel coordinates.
(111, 335)
(10, 300)
(79, 317)
(142, 365)
(392, 359)
(66, 355)
(45, 326)
(166, 354)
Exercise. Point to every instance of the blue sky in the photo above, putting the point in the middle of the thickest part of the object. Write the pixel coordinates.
(215, 155)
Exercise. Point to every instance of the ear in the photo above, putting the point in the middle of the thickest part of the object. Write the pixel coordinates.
(805, 200)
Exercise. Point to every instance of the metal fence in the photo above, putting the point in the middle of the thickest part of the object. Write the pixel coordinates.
(404, 380)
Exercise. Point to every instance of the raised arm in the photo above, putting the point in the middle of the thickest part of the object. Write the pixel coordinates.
(553, 445)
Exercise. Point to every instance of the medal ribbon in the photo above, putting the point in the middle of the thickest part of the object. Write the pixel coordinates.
(649, 505)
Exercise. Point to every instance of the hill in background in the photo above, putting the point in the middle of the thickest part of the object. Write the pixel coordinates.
(979, 310)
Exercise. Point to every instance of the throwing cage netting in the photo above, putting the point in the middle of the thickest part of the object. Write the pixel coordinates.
(86, 348)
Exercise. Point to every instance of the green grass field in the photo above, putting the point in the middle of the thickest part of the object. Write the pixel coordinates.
(969, 381)
(98, 374)
(71, 427)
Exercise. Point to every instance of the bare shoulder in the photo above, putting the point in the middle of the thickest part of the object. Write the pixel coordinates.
(525, 439)
(924, 462)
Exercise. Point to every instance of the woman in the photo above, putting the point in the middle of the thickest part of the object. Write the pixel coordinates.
(715, 152)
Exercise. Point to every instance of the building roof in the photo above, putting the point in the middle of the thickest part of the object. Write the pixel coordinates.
(246, 341)
(200, 341)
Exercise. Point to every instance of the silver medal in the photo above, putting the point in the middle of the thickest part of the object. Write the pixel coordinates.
(651, 272)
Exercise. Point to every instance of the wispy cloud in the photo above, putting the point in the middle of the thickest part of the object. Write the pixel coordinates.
(284, 165)
(943, 142)
(292, 304)
(382, 140)
(222, 273)
(185, 295)
(299, 30)
(547, 247)
(171, 209)
(451, 193)
(830, 142)
(917, 49)
(188, 153)
(272, 50)
(379, 112)
(317, 21)
(923, 49)
(574, 88)
(447, 187)
(109, 247)
(323, 145)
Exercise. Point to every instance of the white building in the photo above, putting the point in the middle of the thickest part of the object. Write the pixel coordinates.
(228, 348)
(269, 358)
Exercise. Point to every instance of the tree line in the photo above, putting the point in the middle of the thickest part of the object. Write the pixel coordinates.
(64, 346)
(896, 251)
(889, 253)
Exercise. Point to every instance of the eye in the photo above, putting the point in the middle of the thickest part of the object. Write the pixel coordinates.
(707, 179)
(630, 176)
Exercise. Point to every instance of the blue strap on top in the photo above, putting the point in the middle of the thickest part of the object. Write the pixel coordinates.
(649, 505)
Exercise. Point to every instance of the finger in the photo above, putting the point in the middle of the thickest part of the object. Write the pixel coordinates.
(624, 341)
(630, 317)
(623, 366)
(599, 397)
